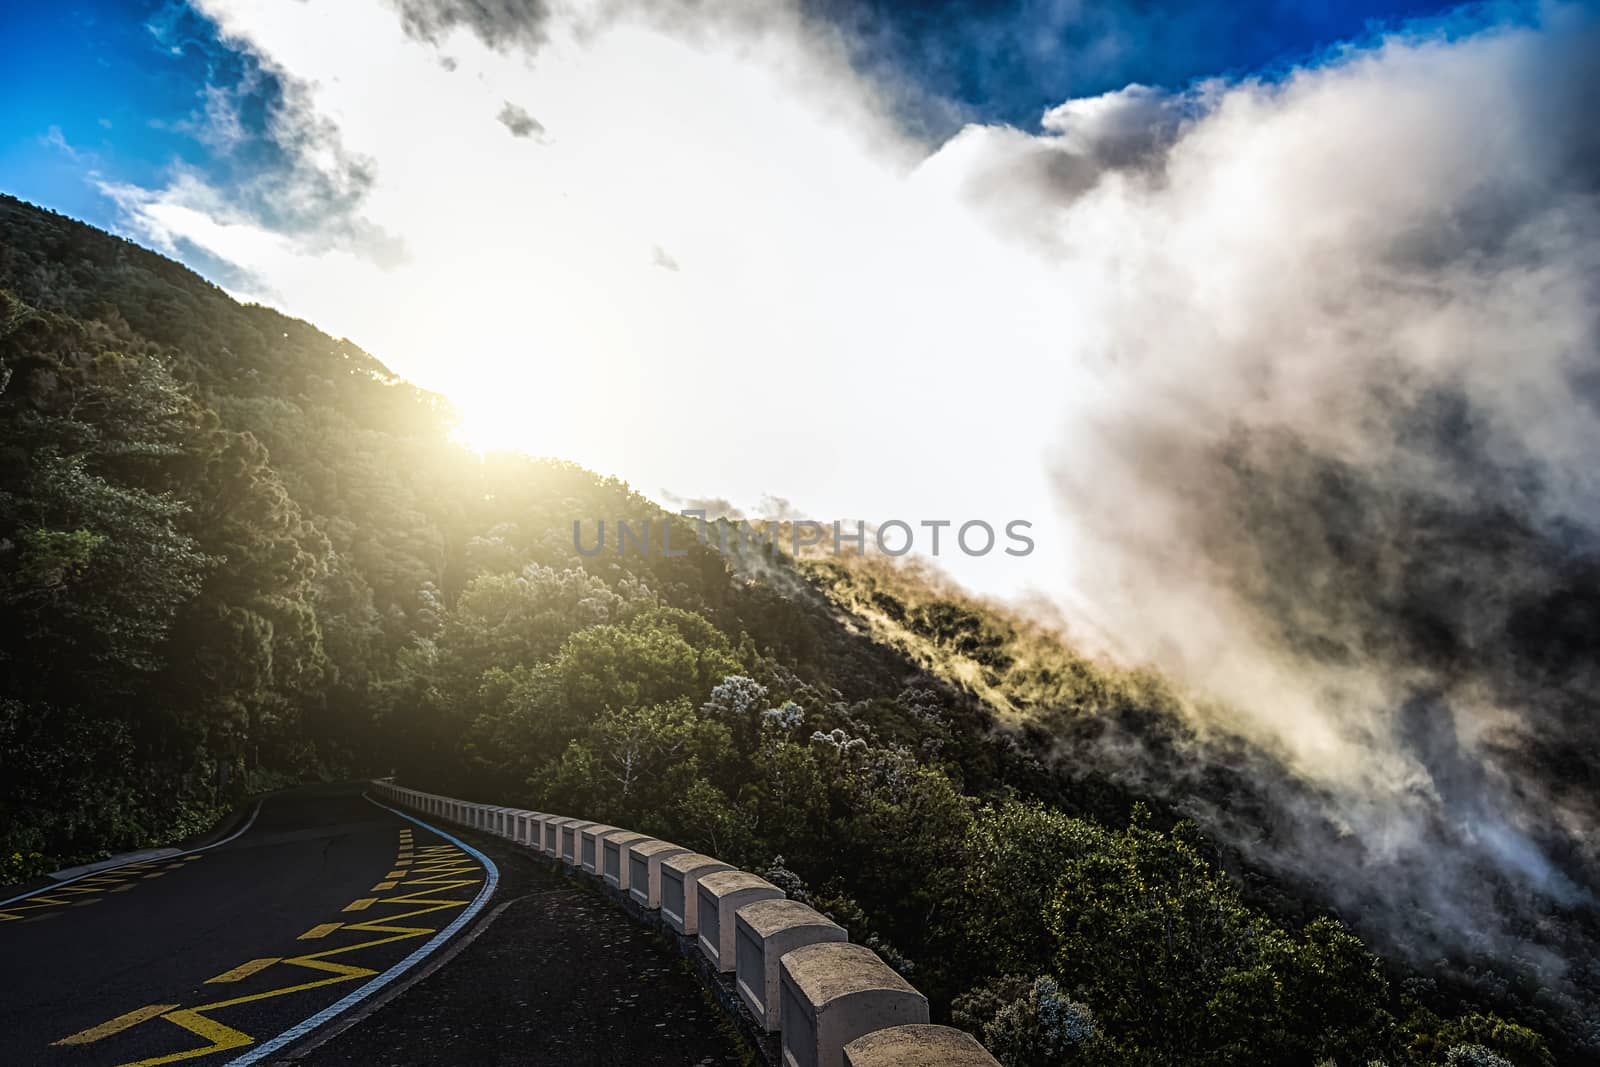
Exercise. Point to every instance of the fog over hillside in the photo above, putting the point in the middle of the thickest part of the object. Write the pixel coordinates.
(1337, 465)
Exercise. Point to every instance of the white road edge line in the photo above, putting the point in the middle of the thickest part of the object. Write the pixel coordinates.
(251, 821)
(332, 1011)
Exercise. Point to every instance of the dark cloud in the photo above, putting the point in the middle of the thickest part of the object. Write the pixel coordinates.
(300, 180)
(519, 122)
(499, 23)
(1025, 181)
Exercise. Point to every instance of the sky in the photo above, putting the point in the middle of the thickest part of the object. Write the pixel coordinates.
(1279, 322)
(682, 244)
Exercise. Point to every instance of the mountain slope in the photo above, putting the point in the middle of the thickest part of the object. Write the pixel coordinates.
(239, 551)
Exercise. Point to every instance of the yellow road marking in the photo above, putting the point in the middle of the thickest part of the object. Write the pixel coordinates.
(155, 874)
(395, 874)
(121, 888)
(244, 970)
(222, 1038)
(117, 1025)
(383, 885)
(444, 863)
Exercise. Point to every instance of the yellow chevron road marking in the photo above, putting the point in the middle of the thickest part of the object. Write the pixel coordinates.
(430, 874)
(115, 880)
(222, 1038)
(341, 973)
(116, 1026)
(244, 970)
(320, 930)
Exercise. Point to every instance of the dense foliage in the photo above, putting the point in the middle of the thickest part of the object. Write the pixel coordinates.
(237, 552)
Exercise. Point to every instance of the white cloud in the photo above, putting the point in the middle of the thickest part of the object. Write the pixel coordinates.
(814, 344)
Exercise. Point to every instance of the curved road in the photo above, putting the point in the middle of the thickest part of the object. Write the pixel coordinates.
(209, 957)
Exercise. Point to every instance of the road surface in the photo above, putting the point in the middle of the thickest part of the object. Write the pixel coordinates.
(335, 929)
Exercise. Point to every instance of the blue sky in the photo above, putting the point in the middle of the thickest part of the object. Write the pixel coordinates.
(1012, 60)
(123, 81)
(98, 74)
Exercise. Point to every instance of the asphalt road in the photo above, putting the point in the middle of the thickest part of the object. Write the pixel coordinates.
(333, 932)
(208, 958)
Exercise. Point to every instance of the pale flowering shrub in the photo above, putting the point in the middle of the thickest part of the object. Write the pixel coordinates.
(735, 697)
(793, 886)
(789, 716)
(1475, 1056)
(1028, 1024)
(837, 738)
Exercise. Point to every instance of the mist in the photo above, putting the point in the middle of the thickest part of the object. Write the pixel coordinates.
(1337, 467)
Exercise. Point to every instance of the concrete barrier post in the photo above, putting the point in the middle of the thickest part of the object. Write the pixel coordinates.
(570, 840)
(764, 931)
(536, 830)
(614, 858)
(720, 895)
(591, 841)
(552, 836)
(833, 993)
(644, 870)
(680, 878)
(917, 1045)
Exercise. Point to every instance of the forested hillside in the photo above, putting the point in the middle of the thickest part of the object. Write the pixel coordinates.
(235, 552)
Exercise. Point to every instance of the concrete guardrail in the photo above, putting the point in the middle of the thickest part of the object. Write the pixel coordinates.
(795, 973)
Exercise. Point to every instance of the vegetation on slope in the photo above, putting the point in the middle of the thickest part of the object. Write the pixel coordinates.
(236, 551)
